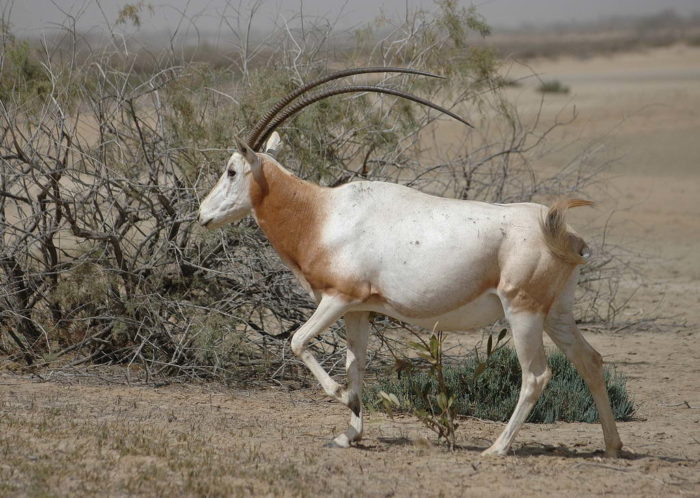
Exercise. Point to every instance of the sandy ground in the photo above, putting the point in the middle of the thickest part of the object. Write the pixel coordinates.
(68, 435)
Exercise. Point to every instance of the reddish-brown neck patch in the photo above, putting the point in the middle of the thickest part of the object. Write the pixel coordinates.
(291, 213)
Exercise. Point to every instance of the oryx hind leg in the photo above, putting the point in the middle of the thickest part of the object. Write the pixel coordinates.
(560, 325)
(357, 333)
(527, 330)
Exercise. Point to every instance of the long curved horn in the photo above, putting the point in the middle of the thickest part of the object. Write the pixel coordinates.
(290, 111)
(282, 103)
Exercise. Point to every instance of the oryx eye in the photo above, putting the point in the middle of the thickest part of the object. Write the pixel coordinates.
(231, 173)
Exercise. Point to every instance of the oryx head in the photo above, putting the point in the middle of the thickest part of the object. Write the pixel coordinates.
(230, 200)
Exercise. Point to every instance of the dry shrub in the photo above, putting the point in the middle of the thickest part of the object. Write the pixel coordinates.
(104, 159)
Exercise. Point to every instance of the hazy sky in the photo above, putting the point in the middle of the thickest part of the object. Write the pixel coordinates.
(30, 17)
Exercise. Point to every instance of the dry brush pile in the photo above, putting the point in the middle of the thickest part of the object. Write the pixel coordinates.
(105, 151)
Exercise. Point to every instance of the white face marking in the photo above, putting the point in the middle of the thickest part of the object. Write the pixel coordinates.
(229, 200)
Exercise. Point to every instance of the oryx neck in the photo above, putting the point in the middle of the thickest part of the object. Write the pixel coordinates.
(289, 210)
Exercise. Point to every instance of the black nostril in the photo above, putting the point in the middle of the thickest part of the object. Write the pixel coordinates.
(204, 223)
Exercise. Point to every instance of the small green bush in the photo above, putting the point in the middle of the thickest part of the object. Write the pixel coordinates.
(21, 73)
(493, 393)
(553, 86)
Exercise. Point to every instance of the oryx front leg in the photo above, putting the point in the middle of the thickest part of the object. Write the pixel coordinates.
(329, 310)
(357, 333)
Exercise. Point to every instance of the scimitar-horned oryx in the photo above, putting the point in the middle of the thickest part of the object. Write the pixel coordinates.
(380, 247)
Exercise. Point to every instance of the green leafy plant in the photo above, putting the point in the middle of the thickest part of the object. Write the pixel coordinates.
(436, 408)
(488, 388)
(491, 348)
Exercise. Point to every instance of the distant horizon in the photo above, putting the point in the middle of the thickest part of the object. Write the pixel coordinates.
(30, 18)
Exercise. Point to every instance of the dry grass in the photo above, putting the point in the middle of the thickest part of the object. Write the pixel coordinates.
(116, 441)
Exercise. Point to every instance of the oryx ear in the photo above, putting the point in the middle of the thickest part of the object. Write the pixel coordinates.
(273, 144)
(250, 156)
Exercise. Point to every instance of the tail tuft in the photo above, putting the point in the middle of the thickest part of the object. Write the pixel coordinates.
(565, 245)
